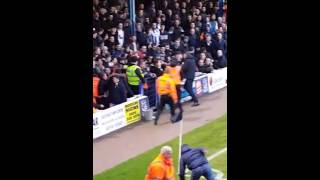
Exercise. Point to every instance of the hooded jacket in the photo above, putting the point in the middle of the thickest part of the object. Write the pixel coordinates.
(192, 158)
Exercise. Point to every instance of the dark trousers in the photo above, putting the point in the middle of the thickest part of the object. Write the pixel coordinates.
(165, 99)
(178, 88)
(135, 89)
(188, 88)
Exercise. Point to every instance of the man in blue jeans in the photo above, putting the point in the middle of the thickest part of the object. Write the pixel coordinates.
(195, 160)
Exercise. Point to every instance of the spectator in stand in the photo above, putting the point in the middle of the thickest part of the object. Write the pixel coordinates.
(156, 67)
(142, 52)
(221, 43)
(209, 45)
(204, 67)
(194, 40)
(141, 35)
(133, 45)
(155, 34)
(117, 91)
(103, 89)
(177, 46)
(121, 35)
(117, 53)
(221, 59)
(164, 35)
(176, 30)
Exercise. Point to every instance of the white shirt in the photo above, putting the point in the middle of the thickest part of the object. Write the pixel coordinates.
(121, 37)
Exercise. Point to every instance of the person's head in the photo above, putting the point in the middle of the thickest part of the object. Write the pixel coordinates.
(219, 53)
(169, 11)
(144, 49)
(197, 12)
(104, 76)
(177, 22)
(120, 26)
(115, 79)
(199, 18)
(162, 49)
(192, 25)
(211, 4)
(141, 6)
(202, 56)
(156, 62)
(192, 31)
(200, 4)
(139, 27)
(184, 5)
(158, 20)
(166, 151)
(163, 18)
(147, 20)
(220, 20)
(133, 38)
(97, 51)
(162, 27)
(103, 11)
(154, 25)
(207, 19)
(178, 56)
(140, 13)
(213, 17)
(224, 27)
(160, 12)
(142, 64)
(133, 60)
(107, 71)
(219, 35)
(111, 39)
(189, 17)
(165, 3)
(207, 61)
(118, 47)
(224, 19)
(208, 37)
(177, 42)
(201, 62)
(203, 9)
(113, 30)
(176, 5)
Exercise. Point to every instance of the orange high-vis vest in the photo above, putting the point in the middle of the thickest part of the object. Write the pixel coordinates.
(166, 86)
(175, 74)
(96, 81)
(161, 169)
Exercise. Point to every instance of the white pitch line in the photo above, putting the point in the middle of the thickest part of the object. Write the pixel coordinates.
(217, 154)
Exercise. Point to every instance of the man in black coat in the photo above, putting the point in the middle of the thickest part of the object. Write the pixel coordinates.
(188, 72)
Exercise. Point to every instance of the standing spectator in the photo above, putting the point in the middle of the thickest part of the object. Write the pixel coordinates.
(162, 168)
(194, 159)
(140, 17)
(117, 91)
(188, 70)
(156, 68)
(164, 35)
(209, 45)
(176, 30)
(141, 36)
(194, 40)
(221, 43)
(155, 34)
(177, 46)
(221, 59)
(121, 35)
(135, 76)
(103, 89)
(142, 52)
(133, 45)
(117, 53)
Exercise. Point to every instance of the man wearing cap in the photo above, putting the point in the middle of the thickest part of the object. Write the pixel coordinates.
(162, 168)
(134, 74)
(195, 160)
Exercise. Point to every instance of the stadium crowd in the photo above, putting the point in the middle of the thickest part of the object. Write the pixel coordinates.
(165, 30)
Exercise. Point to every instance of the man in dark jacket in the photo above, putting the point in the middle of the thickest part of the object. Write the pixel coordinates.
(195, 160)
(117, 91)
(188, 72)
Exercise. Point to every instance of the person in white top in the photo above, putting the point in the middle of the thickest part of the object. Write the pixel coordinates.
(155, 33)
(120, 34)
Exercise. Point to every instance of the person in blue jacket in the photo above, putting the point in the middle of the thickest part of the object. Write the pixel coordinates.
(196, 161)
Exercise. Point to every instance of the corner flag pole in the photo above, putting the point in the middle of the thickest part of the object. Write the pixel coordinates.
(180, 144)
